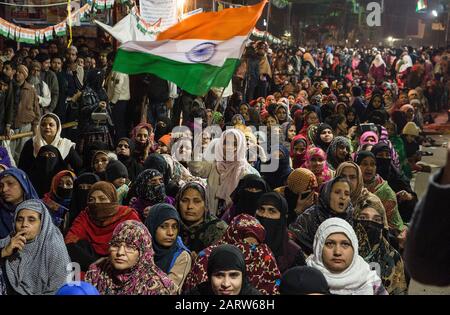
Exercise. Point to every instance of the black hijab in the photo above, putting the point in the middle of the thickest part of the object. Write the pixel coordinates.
(157, 216)
(44, 168)
(94, 80)
(318, 141)
(133, 166)
(158, 162)
(228, 257)
(79, 196)
(245, 201)
(384, 166)
(362, 155)
(276, 235)
(279, 176)
(303, 281)
(89, 152)
(370, 107)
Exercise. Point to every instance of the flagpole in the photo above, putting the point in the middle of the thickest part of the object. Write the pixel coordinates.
(219, 99)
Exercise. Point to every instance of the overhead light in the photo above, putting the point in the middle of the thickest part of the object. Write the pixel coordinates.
(390, 39)
(434, 13)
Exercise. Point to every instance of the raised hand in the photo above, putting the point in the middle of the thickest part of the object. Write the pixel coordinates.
(16, 243)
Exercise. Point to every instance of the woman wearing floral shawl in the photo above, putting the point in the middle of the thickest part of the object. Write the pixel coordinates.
(246, 233)
(372, 228)
(141, 278)
(378, 186)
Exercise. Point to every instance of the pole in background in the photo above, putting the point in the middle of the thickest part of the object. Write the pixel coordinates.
(446, 28)
(115, 13)
(268, 15)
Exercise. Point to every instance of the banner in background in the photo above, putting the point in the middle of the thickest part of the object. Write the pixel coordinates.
(38, 35)
(153, 10)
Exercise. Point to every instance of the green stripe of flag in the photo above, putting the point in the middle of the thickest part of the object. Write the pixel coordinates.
(195, 78)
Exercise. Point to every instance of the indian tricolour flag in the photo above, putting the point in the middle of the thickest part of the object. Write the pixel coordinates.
(27, 36)
(198, 53)
(4, 28)
(60, 28)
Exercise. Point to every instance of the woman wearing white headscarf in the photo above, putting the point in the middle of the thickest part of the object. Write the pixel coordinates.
(336, 256)
(224, 169)
(34, 258)
(378, 69)
(403, 69)
(49, 133)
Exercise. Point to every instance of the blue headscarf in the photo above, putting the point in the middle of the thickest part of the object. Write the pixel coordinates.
(7, 209)
(164, 257)
(4, 157)
(80, 288)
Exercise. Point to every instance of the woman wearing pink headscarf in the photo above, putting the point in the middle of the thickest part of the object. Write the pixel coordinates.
(316, 161)
(368, 138)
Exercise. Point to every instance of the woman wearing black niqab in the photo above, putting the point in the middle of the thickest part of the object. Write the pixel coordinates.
(250, 188)
(81, 187)
(47, 164)
(271, 212)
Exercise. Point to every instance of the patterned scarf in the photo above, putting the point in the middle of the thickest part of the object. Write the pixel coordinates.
(262, 270)
(333, 160)
(145, 191)
(145, 278)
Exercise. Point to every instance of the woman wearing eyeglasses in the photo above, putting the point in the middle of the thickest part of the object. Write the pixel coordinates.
(129, 268)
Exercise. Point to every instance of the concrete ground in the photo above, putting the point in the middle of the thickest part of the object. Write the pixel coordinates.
(420, 184)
